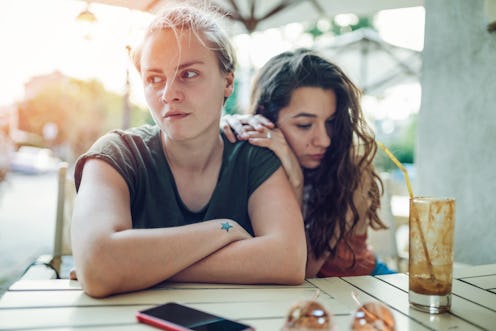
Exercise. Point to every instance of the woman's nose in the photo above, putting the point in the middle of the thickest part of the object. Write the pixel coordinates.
(321, 138)
(171, 93)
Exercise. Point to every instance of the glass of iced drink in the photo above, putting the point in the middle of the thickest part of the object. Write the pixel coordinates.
(432, 225)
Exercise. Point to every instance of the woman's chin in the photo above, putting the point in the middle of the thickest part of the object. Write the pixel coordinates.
(311, 165)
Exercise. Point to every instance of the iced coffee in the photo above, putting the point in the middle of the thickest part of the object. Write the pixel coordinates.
(432, 225)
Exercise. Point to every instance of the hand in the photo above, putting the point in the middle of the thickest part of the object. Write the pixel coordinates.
(274, 140)
(262, 132)
(73, 274)
(237, 126)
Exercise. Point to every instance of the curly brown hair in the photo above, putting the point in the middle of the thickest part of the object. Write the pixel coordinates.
(347, 162)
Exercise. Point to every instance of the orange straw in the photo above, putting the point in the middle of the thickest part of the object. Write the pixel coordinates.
(398, 163)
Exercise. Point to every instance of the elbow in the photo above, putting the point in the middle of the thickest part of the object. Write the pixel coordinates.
(292, 276)
(299, 270)
(96, 277)
(296, 278)
(97, 287)
(96, 290)
(295, 262)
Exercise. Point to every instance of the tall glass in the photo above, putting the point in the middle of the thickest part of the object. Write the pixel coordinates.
(432, 225)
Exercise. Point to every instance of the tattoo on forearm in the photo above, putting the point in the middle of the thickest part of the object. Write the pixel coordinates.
(225, 226)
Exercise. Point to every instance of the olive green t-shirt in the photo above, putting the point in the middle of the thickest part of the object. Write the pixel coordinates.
(138, 156)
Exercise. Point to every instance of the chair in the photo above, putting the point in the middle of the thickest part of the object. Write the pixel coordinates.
(389, 244)
(59, 263)
(62, 250)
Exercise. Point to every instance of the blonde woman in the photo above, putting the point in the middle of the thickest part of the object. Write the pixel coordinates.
(177, 200)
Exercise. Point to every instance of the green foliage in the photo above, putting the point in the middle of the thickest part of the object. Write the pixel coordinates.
(81, 110)
(363, 22)
(402, 147)
(336, 29)
(231, 106)
(314, 31)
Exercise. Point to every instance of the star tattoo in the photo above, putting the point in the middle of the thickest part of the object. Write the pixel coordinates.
(225, 226)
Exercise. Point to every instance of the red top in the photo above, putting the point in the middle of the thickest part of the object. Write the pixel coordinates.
(341, 264)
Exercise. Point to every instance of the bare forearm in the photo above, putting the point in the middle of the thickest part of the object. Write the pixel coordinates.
(138, 258)
(295, 175)
(291, 167)
(251, 261)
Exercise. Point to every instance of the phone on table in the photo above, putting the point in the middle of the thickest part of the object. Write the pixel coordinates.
(173, 316)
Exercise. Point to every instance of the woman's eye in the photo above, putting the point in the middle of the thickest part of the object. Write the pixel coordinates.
(304, 126)
(154, 79)
(189, 74)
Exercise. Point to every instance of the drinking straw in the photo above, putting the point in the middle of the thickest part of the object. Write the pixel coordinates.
(398, 163)
(410, 192)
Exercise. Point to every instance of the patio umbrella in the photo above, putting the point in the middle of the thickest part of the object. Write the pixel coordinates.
(251, 15)
(372, 63)
(248, 16)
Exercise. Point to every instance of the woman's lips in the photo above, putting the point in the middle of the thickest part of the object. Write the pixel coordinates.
(316, 157)
(173, 115)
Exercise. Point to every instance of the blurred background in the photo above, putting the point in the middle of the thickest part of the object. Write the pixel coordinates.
(66, 79)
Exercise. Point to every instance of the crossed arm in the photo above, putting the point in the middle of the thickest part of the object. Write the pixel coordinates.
(111, 257)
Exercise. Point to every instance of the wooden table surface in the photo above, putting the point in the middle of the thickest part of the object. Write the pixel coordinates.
(62, 305)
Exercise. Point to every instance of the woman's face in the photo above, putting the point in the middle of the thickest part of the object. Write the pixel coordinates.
(184, 86)
(306, 123)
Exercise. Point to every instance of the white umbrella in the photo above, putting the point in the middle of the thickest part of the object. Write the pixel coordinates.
(251, 15)
(371, 62)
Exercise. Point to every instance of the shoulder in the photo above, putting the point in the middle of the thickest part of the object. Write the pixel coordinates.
(246, 151)
(125, 150)
(134, 141)
(144, 133)
(248, 163)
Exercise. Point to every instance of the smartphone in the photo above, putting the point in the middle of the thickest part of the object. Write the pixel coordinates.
(173, 316)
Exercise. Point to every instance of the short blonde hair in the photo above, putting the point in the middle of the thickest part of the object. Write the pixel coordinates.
(203, 22)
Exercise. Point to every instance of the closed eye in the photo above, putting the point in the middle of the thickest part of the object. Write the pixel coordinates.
(304, 126)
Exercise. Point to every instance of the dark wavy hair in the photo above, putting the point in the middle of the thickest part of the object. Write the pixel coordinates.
(347, 161)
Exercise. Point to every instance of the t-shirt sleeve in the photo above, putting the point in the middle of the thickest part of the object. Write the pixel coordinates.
(114, 149)
(263, 163)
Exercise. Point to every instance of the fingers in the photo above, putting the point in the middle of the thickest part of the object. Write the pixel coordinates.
(236, 124)
(73, 274)
(256, 122)
(241, 124)
(266, 138)
(259, 123)
(261, 142)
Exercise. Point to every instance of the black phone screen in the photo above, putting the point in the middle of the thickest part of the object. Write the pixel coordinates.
(193, 319)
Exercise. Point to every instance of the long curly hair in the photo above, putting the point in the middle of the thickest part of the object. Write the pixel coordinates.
(330, 208)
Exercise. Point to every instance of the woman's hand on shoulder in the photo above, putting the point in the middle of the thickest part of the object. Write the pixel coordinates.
(238, 126)
(259, 131)
(274, 140)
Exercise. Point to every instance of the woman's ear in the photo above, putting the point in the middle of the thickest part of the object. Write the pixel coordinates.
(228, 90)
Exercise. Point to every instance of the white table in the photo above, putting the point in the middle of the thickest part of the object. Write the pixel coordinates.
(62, 305)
